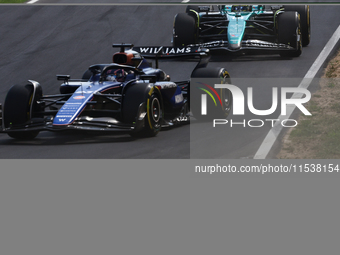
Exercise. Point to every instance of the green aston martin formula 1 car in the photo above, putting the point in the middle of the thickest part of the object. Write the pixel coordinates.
(282, 29)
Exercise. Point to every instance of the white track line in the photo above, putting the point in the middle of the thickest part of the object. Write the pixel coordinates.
(272, 135)
(32, 1)
(185, 1)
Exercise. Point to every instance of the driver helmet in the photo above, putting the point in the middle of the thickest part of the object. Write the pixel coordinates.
(116, 75)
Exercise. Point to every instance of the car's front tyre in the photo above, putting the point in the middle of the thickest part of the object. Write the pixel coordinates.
(184, 30)
(289, 33)
(304, 12)
(19, 108)
(149, 98)
(218, 101)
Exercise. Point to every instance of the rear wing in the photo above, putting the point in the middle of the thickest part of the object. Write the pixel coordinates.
(165, 52)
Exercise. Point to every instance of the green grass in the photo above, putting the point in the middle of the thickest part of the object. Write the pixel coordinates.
(319, 132)
(331, 70)
(289, 149)
(331, 85)
(12, 1)
(314, 107)
(325, 129)
(330, 148)
(306, 130)
(335, 107)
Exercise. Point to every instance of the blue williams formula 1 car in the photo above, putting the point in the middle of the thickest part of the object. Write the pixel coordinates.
(127, 95)
(281, 29)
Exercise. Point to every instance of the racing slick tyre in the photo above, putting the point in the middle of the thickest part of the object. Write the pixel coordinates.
(304, 12)
(218, 101)
(193, 11)
(87, 75)
(190, 8)
(151, 99)
(289, 33)
(153, 114)
(184, 30)
(18, 109)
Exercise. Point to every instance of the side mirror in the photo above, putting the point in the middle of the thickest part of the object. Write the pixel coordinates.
(63, 77)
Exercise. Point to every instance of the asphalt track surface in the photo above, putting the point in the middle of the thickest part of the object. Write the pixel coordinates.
(41, 41)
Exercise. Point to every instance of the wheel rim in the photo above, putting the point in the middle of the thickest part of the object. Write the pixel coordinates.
(227, 100)
(155, 110)
(226, 94)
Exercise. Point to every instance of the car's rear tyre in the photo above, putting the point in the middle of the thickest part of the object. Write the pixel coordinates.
(19, 108)
(219, 101)
(304, 12)
(153, 115)
(289, 33)
(190, 8)
(185, 31)
(151, 99)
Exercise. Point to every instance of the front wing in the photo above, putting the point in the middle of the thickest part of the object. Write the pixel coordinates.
(245, 45)
(82, 123)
